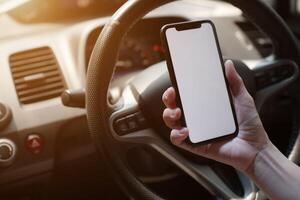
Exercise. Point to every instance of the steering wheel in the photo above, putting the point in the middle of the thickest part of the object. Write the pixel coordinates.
(141, 103)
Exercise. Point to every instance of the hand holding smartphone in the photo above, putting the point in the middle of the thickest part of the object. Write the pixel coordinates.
(197, 73)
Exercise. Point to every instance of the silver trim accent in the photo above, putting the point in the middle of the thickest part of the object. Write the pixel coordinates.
(13, 148)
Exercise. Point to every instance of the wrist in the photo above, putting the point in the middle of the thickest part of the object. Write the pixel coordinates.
(252, 144)
(262, 155)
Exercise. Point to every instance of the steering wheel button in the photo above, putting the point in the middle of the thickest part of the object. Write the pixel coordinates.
(275, 79)
(285, 72)
(121, 126)
(141, 119)
(132, 123)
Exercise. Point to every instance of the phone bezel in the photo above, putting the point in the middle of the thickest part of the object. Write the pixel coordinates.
(186, 26)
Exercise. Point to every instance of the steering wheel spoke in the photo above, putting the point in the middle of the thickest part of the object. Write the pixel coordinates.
(272, 77)
(203, 174)
(139, 133)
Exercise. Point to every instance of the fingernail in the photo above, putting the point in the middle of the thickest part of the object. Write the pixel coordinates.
(184, 131)
(229, 62)
(173, 115)
(164, 96)
(177, 112)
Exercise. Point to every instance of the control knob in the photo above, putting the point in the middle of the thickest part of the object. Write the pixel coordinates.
(8, 151)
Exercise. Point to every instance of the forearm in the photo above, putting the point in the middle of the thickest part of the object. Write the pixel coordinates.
(274, 174)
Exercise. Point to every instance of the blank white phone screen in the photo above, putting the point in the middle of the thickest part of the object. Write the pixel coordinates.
(201, 83)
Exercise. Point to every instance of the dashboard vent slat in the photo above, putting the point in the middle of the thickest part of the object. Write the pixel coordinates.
(35, 71)
(33, 66)
(31, 54)
(36, 75)
(28, 61)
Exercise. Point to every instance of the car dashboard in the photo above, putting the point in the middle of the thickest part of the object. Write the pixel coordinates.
(40, 60)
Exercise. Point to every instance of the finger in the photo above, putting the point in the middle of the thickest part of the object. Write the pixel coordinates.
(172, 117)
(235, 81)
(178, 136)
(169, 98)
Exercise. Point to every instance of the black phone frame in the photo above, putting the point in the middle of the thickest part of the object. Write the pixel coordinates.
(186, 26)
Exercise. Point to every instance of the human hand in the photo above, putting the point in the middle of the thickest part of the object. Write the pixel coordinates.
(240, 151)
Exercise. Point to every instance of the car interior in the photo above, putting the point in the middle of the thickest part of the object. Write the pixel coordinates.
(81, 85)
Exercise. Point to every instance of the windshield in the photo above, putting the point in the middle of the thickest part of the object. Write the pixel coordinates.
(7, 5)
(30, 11)
(34, 11)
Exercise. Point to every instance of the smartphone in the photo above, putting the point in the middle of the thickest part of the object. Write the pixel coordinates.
(197, 73)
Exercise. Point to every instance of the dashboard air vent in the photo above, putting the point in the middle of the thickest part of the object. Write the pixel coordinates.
(262, 43)
(36, 75)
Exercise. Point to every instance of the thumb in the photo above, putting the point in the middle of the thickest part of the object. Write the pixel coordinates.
(236, 83)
